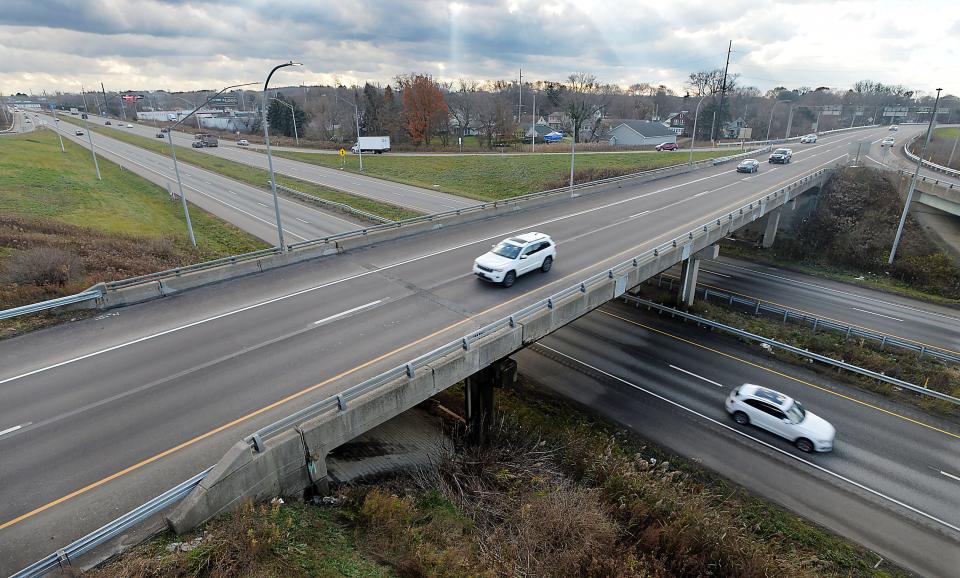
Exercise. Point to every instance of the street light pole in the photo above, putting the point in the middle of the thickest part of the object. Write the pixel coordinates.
(533, 141)
(266, 136)
(913, 182)
(293, 116)
(96, 165)
(176, 167)
(693, 136)
(56, 126)
(573, 154)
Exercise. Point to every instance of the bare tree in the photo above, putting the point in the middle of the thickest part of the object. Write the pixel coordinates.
(463, 104)
(582, 99)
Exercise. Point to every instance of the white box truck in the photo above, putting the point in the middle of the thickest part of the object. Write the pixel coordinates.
(372, 144)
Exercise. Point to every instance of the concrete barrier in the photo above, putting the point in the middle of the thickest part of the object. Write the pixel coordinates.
(295, 459)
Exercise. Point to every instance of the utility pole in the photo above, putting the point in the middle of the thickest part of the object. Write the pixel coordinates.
(957, 140)
(723, 91)
(520, 104)
(93, 151)
(913, 182)
(104, 91)
(533, 141)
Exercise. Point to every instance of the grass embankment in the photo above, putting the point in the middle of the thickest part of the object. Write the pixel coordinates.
(848, 237)
(866, 353)
(558, 493)
(62, 230)
(251, 175)
(941, 147)
(493, 177)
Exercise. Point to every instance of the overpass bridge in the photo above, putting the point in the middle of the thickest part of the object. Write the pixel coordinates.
(130, 402)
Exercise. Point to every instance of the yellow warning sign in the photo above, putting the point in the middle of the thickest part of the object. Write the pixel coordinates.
(343, 153)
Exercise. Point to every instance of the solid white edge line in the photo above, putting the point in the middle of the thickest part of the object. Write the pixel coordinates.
(877, 314)
(364, 274)
(941, 471)
(692, 374)
(770, 446)
(16, 427)
(347, 312)
(832, 290)
(715, 273)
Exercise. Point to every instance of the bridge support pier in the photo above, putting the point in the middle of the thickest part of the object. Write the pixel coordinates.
(479, 397)
(773, 222)
(690, 272)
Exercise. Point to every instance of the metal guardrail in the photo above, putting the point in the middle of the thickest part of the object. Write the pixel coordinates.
(815, 322)
(51, 304)
(385, 225)
(341, 401)
(65, 555)
(793, 138)
(517, 200)
(932, 166)
(791, 349)
(931, 180)
(339, 206)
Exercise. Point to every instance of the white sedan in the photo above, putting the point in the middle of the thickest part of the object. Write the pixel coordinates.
(781, 415)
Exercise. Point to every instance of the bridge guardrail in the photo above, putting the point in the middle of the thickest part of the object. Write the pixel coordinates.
(340, 402)
(235, 259)
(791, 349)
(64, 555)
(931, 180)
(932, 166)
(815, 322)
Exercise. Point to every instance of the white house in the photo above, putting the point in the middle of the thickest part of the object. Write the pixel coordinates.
(641, 132)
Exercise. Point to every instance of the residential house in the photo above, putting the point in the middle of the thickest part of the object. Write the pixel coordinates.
(732, 128)
(679, 122)
(558, 120)
(641, 132)
(540, 130)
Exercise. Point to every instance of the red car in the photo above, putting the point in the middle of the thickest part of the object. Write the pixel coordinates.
(667, 146)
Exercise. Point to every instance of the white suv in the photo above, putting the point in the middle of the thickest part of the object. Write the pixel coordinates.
(808, 138)
(780, 415)
(515, 256)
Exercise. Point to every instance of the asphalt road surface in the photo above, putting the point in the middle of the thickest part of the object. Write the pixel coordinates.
(895, 158)
(249, 208)
(417, 198)
(911, 319)
(892, 483)
(101, 414)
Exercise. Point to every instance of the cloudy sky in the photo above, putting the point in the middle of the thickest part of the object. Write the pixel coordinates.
(191, 44)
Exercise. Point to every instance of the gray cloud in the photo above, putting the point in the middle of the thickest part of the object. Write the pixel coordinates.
(186, 44)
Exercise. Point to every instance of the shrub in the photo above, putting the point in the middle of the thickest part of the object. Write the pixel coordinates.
(43, 266)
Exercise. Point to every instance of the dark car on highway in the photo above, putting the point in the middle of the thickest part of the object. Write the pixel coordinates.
(749, 166)
(781, 156)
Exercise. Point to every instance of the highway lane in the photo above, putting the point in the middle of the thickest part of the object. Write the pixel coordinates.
(245, 206)
(892, 482)
(182, 377)
(895, 158)
(417, 198)
(925, 323)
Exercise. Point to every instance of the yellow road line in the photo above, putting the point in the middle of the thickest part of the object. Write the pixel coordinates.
(784, 375)
(302, 392)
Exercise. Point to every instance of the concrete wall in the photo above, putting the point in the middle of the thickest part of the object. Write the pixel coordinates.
(292, 461)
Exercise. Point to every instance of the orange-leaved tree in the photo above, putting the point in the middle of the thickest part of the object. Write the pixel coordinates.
(423, 106)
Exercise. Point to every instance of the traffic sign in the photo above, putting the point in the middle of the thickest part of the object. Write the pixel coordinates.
(343, 152)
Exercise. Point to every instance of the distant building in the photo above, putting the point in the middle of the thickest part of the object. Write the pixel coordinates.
(540, 130)
(558, 120)
(680, 123)
(732, 128)
(641, 132)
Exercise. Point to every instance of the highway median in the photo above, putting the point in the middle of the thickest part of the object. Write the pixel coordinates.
(253, 176)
